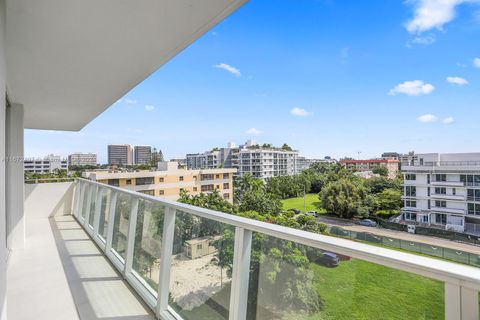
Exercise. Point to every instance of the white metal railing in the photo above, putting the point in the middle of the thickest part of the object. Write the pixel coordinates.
(462, 283)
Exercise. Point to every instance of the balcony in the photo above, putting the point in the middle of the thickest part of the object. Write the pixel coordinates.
(448, 183)
(96, 251)
(448, 196)
(449, 210)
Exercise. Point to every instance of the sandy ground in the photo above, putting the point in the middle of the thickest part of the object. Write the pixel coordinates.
(192, 282)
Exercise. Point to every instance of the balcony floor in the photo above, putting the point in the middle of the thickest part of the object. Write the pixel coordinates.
(61, 274)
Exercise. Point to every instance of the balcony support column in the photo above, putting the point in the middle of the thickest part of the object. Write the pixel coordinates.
(15, 194)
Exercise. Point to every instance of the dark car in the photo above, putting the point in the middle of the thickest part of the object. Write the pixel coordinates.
(296, 211)
(328, 259)
(366, 223)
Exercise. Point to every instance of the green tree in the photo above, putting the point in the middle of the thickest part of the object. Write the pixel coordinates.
(286, 147)
(382, 171)
(342, 197)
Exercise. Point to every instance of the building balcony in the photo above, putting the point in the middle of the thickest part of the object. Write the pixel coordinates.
(448, 183)
(96, 251)
(447, 196)
(449, 210)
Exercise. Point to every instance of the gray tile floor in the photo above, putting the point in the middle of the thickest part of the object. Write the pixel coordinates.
(61, 274)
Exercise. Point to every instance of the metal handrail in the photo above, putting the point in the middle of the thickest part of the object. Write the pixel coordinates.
(428, 267)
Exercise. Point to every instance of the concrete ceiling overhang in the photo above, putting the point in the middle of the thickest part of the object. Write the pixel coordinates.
(69, 60)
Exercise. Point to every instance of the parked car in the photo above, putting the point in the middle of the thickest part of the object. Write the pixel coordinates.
(328, 259)
(296, 211)
(366, 223)
(313, 213)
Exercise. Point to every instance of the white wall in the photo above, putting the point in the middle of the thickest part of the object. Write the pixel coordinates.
(3, 251)
(48, 199)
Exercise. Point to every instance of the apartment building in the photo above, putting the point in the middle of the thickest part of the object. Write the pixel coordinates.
(392, 165)
(443, 191)
(48, 164)
(120, 154)
(261, 161)
(169, 180)
(82, 159)
(142, 154)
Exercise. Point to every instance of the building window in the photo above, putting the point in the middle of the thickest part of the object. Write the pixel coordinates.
(161, 192)
(474, 208)
(199, 246)
(425, 219)
(440, 204)
(113, 182)
(204, 177)
(161, 179)
(207, 187)
(226, 176)
(180, 178)
(410, 176)
(410, 216)
(226, 186)
(440, 190)
(226, 196)
(411, 203)
(440, 218)
(410, 191)
(149, 192)
(454, 191)
(217, 176)
(144, 181)
(194, 189)
(128, 181)
(217, 186)
(441, 177)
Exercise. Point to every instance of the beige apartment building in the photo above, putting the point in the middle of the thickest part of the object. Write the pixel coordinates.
(169, 180)
(392, 165)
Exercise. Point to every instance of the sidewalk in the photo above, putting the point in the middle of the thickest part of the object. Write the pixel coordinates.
(401, 235)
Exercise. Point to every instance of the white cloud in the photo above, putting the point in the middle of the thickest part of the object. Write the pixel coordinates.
(299, 112)
(229, 68)
(130, 101)
(427, 118)
(430, 14)
(448, 120)
(412, 88)
(254, 131)
(149, 107)
(476, 62)
(457, 80)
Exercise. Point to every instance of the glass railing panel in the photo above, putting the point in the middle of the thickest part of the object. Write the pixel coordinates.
(86, 190)
(292, 281)
(148, 242)
(123, 209)
(77, 201)
(201, 268)
(93, 203)
(105, 200)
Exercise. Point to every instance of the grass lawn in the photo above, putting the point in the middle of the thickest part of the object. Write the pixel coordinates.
(358, 289)
(313, 203)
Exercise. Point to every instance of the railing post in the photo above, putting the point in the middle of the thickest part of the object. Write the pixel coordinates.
(166, 260)
(240, 274)
(131, 236)
(111, 217)
(452, 302)
(469, 304)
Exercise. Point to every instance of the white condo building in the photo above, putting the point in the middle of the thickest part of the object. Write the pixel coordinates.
(82, 159)
(443, 190)
(261, 161)
(47, 164)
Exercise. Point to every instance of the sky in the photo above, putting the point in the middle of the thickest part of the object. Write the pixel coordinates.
(336, 78)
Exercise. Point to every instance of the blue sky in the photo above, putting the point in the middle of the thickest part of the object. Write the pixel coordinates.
(327, 77)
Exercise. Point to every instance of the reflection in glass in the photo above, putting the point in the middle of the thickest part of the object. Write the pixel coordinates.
(123, 208)
(104, 212)
(201, 268)
(148, 241)
(293, 281)
(86, 190)
(93, 203)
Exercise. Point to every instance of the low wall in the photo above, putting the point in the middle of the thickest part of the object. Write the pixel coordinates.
(48, 199)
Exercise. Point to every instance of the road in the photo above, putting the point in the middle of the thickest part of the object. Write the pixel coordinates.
(434, 241)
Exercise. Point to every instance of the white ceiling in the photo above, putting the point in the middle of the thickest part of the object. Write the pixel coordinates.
(69, 60)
